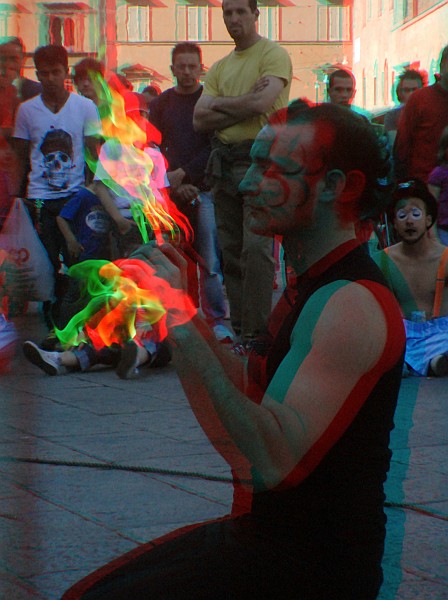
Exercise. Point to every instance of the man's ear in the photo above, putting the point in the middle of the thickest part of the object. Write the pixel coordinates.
(256, 13)
(334, 184)
(355, 183)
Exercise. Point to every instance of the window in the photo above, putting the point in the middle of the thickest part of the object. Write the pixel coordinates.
(364, 88)
(192, 23)
(386, 83)
(67, 24)
(62, 32)
(405, 10)
(3, 24)
(268, 22)
(334, 23)
(138, 24)
(5, 12)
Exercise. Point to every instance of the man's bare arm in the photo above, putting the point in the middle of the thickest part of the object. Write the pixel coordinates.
(348, 341)
(216, 113)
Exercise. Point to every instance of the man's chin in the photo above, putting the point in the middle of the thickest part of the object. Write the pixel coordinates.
(259, 226)
(412, 239)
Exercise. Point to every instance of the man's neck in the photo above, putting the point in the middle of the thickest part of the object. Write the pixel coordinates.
(247, 42)
(308, 248)
(55, 101)
(186, 91)
(419, 249)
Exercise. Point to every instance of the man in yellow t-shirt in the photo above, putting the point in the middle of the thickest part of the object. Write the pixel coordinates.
(241, 91)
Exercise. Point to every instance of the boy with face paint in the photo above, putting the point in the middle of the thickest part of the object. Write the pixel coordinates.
(417, 270)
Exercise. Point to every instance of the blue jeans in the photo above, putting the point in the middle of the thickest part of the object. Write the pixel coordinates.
(211, 291)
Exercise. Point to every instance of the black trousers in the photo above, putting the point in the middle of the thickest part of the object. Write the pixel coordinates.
(228, 559)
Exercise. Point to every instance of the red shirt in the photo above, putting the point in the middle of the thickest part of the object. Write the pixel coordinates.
(423, 119)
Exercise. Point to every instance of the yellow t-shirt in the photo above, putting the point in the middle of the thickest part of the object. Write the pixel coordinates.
(235, 75)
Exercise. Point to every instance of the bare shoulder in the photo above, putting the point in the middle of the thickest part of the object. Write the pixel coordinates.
(395, 251)
(352, 328)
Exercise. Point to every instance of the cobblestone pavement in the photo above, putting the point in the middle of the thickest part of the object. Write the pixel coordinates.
(60, 522)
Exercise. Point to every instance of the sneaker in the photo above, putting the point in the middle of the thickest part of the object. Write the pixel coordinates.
(51, 342)
(127, 367)
(439, 365)
(49, 362)
(223, 335)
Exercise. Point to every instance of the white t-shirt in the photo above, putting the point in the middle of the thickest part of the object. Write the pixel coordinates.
(132, 174)
(56, 144)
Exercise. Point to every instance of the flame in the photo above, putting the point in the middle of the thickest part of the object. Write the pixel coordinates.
(128, 163)
(125, 296)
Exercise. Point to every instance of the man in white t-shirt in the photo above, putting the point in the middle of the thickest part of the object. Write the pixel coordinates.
(57, 131)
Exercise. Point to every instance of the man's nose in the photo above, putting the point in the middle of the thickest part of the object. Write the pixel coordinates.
(249, 183)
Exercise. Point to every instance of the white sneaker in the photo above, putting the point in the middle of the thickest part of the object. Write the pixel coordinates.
(223, 335)
(439, 365)
(50, 362)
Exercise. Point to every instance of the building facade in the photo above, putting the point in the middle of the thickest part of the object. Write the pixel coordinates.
(389, 36)
(135, 37)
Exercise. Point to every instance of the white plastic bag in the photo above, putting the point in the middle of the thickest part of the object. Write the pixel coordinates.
(34, 269)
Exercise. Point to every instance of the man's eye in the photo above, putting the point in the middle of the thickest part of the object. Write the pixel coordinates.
(401, 214)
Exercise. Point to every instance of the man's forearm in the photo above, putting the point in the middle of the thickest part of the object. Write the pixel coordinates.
(239, 107)
(213, 383)
(244, 433)
(207, 119)
(225, 111)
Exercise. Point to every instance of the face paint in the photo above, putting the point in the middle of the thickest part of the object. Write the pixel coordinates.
(414, 213)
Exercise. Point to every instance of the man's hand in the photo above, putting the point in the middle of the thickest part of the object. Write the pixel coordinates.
(260, 84)
(186, 193)
(176, 177)
(167, 262)
(167, 279)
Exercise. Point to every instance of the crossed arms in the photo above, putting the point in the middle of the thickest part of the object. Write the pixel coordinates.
(216, 113)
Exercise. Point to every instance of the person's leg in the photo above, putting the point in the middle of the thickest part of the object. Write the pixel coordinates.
(258, 271)
(229, 222)
(132, 356)
(438, 365)
(210, 282)
(230, 559)
(81, 357)
(56, 246)
(52, 363)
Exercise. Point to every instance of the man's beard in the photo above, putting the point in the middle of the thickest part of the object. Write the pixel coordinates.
(413, 242)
